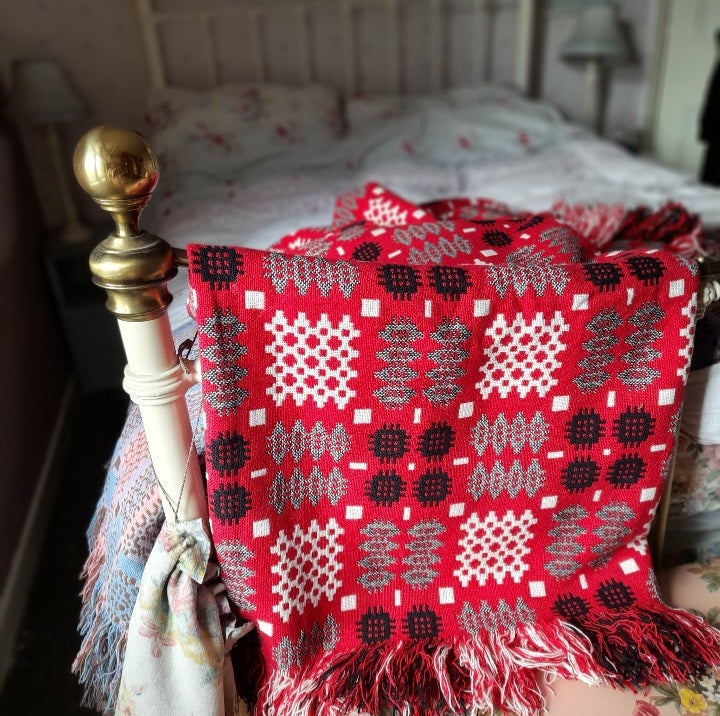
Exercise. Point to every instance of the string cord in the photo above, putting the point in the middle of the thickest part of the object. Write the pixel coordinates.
(186, 347)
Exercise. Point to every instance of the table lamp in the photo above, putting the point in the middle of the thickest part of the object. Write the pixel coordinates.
(597, 42)
(41, 95)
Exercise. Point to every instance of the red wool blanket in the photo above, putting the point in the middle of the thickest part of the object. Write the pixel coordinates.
(433, 457)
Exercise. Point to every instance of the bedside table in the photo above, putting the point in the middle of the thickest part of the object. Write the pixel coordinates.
(91, 331)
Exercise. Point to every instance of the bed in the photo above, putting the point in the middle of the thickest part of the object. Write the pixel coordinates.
(260, 159)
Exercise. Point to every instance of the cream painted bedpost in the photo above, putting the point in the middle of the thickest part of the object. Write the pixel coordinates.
(528, 46)
(118, 169)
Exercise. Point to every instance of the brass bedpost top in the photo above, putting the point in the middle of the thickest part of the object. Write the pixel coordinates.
(117, 168)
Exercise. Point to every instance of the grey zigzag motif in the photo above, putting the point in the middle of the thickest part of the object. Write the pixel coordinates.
(303, 271)
(325, 636)
(233, 555)
(524, 268)
(613, 532)
(378, 545)
(224, 352)
(503, 617)
(564, 239)
(405, 235)
(603, 325)
(299, 440)
(639, 374)
(567, 545)
(434, 253)
(500, 479)
(300, 487)
(423, 546)
(502, 434)
(397, 375)
(450, 334)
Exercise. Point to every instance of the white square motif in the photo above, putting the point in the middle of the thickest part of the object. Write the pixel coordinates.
(666, 396)
(629, 566)
(481, 307)
(348, 603)
(648, 494)
(265, 627)
(581, 302)
(560, 403)
(254, 299)
(457, 509)
(370, 308)
(466, 410)
(257, 417)
(261, 528)
(677, 288)
(398, 598)
(446, 595)
(548, 502)
(363, 416)
(406, 513)
(537, 589)
(353, 512)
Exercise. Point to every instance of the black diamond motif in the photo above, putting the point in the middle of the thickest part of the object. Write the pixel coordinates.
(605, 276)
(368, 251)
(422, 623)
(626, 471)
(436, 441)
(218, 265)
(585, 428)
(634, 426)
(228, 453)
(647, 269)
(375, 626)
(389, 443)
(579, 474)
(570, 606)
(615, 595)
(531, 223)
(496, 237)
(432, 487)
(450, 282)
(385, 488)
(230, 503)
(399, 280)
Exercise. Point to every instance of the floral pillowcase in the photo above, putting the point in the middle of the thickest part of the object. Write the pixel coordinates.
(237, 124)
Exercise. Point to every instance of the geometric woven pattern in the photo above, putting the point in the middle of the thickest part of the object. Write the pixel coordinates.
(419, 479)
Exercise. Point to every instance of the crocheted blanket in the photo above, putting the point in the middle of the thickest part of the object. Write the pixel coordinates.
(129, 514)
(427, 483)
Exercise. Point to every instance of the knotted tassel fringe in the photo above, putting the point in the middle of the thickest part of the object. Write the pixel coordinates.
(498, 670)
(642, 646)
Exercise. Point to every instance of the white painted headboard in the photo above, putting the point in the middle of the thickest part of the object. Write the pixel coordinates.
(354, 45)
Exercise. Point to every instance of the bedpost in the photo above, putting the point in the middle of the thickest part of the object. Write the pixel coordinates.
(119, 171)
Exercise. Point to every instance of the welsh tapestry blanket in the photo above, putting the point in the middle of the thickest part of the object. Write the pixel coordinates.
(430, 480)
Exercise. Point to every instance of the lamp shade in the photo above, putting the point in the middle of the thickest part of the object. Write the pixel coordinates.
(597, 37)
(41, 94)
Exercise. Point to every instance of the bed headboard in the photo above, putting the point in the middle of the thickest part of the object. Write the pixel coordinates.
(354, 45)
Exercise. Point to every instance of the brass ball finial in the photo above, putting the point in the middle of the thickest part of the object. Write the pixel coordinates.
(118, 169)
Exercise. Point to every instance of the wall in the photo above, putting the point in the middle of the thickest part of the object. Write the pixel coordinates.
(33, 368)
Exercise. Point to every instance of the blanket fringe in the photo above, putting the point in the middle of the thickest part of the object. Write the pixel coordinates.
(643, 646)
(500, 670)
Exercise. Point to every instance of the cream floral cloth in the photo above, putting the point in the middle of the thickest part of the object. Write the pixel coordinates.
(180, 634)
